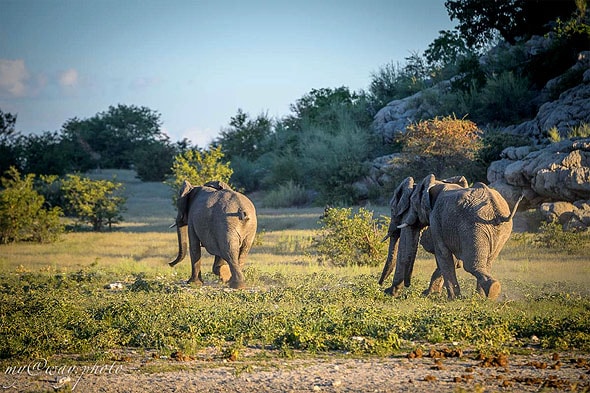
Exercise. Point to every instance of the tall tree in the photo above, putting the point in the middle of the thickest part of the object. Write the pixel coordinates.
(111, 138)
(8, 136)
(480, 21)
(245, 137)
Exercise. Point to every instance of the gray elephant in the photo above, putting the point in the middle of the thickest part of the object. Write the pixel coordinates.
(466, 224)
(221, 220)
(409, 236)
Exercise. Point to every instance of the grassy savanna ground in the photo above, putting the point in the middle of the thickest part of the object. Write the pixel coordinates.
(54, 298)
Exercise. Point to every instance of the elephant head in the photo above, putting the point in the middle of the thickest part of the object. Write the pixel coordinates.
(182, 203)
(400, 212)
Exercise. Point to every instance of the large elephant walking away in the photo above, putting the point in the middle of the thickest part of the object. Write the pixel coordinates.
(406, 237)
(466, 224)
(220, 219)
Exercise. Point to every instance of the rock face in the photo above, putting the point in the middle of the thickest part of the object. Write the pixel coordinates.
(570, 109)
(556, 178)
(398, 114)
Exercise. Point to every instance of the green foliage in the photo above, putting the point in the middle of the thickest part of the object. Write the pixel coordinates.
(286, 195)
(23, 216)
(8, 135)
(332, 163)
(245, 137)
(505, 99)
(153, 160)
(199, 167)
(580, 131)
(49, 314)
(480, 22)
(347, 239)
(97, 202)
(553, 236)
(110, 139)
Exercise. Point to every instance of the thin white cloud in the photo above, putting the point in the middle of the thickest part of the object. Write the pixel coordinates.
(13, 78)
(68, 78)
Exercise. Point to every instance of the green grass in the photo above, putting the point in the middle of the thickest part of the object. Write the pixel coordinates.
(54, 300)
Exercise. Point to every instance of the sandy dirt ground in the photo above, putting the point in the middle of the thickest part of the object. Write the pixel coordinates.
(436, 370)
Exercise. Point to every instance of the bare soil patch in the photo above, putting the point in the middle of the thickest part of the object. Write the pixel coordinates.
(441, 370)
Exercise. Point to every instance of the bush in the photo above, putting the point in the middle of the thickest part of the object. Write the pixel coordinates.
(347, 239)
(553, 236)
(445, 142)
(199, 167)
(286, 195)
(96, 202)
(505, 99)
(23, 216)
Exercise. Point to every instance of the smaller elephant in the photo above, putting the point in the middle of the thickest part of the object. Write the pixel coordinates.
(220, 219)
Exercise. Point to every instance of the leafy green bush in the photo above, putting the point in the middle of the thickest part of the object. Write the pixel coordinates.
(199, 167)
(347, 239)
(553, 236)
(505, 99)
(97, 202)
(23, 215)
(286, 195)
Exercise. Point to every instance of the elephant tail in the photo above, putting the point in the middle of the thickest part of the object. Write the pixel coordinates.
(515, 208)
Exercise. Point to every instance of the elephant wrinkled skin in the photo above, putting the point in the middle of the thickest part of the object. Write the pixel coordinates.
(467, 225)
(220, 219)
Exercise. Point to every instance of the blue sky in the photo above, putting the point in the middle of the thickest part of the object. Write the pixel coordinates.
(196, 62)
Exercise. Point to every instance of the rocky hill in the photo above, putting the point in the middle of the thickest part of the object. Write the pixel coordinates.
(555, 178)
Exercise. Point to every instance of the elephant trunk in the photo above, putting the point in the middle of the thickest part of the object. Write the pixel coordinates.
(408, 249)
(182, 232)
(390, 262)
(411, 245)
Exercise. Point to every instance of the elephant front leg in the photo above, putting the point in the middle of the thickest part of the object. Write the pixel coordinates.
(221, 269)
(487, 286)
(195, 278)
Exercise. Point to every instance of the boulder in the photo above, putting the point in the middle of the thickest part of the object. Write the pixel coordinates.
(556, 178)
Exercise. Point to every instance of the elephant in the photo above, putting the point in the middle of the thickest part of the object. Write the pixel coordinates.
(220, 219)
(408, 236)
(466, 225)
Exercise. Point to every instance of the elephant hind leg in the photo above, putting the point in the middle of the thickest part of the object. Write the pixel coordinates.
(221, 269)
(486, 285)
(436, 283)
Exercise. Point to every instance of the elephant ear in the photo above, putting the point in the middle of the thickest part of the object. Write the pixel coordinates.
(420, 199)
(400, 202)
(182, 203)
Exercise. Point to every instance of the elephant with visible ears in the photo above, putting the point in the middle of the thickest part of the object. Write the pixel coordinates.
(220, 219)
(406, 237)
(467, 224)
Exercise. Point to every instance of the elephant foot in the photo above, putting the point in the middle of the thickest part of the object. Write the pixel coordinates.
(224, 273)
(237, 284)
(195, 282)
(494, 290)
(392, 291)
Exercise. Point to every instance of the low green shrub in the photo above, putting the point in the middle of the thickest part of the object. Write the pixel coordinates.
(23, 214)
(286, 195)
(347, 239)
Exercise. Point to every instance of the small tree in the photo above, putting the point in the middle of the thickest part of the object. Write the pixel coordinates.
(446, 142)
(23, 216)
(347, 239)
(96, 202)
(199, 167)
